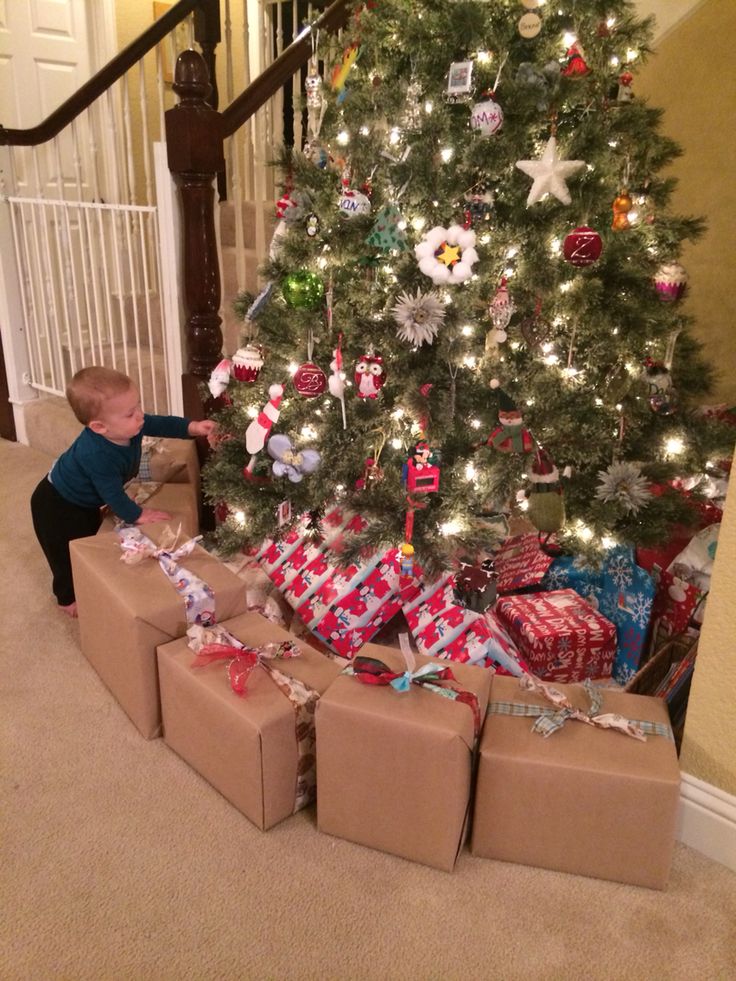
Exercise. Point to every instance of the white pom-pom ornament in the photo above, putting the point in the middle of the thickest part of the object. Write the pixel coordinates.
(447, 255)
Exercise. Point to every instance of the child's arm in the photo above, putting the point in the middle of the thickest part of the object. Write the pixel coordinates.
(177, 427)
(203, 427)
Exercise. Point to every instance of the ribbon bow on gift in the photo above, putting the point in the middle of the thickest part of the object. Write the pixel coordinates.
(549, 720)
(372, 671)
(242, 659)
(216, 643)
(199, 597)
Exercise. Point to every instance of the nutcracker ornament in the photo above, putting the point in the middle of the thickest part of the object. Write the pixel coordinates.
(510, 435)
(370, 375)
(546, 510)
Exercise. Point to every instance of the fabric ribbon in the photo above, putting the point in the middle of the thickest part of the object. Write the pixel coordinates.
(431, 677)
(551, 718)
(216, 643)
(198, 596)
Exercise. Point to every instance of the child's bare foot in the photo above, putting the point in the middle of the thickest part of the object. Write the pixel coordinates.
(71, 610)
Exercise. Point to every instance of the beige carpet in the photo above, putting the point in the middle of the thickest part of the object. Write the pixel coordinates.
(119, 862)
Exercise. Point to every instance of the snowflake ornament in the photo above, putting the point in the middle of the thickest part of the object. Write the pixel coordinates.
(419, 317)
(549, 174)
(447, 255)
(623, 483)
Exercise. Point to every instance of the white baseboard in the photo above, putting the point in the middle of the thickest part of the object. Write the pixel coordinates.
(707, 820)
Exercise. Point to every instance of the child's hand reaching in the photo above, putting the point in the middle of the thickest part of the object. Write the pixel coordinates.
(203, 427)
(149, 514)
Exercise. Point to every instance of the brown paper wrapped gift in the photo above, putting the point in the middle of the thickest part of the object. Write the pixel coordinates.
(180, 500)
(394, 769)
(246, 747)
(125, 612)
(173, 461)
(585, 800)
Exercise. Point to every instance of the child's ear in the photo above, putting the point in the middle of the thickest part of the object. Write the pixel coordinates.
(97, 426)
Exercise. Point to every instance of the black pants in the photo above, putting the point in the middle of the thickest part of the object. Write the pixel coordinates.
(56, 522)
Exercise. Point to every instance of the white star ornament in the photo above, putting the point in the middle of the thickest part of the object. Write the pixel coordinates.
(549, 174)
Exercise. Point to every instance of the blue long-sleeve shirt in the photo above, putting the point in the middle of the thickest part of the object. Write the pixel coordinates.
(93, 470)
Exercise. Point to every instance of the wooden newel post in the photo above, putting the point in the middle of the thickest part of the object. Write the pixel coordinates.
(195, 155)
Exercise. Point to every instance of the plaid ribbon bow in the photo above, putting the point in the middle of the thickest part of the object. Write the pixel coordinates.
(553, 717)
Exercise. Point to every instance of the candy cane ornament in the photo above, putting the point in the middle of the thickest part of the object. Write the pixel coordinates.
(257, 432)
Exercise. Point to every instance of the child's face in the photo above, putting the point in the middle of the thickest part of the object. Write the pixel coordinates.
(121, 417)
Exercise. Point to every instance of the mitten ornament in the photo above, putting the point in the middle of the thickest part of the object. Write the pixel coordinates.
(546, 509)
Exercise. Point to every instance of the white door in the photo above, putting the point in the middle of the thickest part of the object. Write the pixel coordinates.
(44, 58)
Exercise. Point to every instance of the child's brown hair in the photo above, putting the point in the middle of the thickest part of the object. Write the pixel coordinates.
(91, 387)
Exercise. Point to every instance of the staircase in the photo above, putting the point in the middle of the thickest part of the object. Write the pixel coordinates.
(231, 325)
(50, 423)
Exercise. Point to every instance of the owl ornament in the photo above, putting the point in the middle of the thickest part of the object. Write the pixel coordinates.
(370, 375)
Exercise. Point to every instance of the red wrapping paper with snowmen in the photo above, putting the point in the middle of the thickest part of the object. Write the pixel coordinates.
(441, 628)
(343, 606)
(560, 635)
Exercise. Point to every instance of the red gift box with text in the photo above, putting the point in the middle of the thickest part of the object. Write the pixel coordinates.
(560, 635)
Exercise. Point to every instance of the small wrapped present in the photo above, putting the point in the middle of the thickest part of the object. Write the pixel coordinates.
(573, 572)
(126, 611)
(181, 501)
(559, 634)
(442, 628)
(395, 750)
(599, 797)
(475, 585)
(625, 598)
(170, 461)
(520, 564)
(675, 603)
(238, 702)
(343, 606)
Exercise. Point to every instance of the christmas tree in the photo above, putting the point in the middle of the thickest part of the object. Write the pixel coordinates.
(473, 304)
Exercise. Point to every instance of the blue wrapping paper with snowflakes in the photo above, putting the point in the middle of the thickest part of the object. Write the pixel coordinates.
(625, 598)
(621, 590)
(573, 572)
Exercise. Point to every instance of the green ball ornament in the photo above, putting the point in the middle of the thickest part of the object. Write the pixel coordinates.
(303, 290)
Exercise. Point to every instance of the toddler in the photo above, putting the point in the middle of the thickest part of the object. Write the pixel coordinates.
(93, 471)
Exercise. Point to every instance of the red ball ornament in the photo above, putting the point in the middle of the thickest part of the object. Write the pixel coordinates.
(309, 380)
(583, 246)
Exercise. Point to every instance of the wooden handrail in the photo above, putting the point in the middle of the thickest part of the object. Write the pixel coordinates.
(281, 70)
(105, 77)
